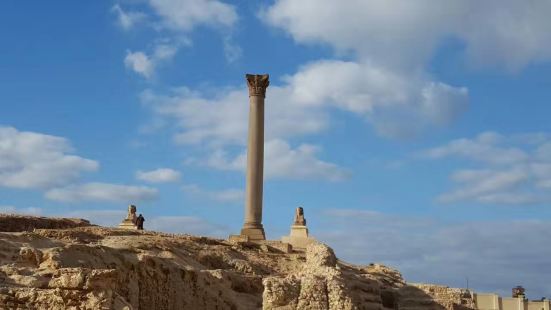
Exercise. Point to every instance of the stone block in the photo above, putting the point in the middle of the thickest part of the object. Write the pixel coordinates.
(278, 245)
(238, 238)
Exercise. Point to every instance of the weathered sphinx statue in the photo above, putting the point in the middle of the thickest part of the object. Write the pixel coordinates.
(298, 237)
(130, 221)
(299, 217)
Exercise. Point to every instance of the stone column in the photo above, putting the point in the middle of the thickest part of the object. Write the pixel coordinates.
(252, 228)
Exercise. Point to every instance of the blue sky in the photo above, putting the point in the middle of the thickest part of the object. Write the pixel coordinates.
(414, 134)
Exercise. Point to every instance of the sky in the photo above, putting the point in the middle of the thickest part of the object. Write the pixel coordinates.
(414, 133)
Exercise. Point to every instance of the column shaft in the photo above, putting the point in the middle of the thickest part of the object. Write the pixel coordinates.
(255, 164)
(252, 227)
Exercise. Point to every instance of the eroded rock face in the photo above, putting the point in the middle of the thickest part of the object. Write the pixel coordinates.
(320, 285)
(99, 268)
(319, 255)
(102, 268)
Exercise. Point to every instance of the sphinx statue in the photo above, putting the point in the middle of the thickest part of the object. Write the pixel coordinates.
(298, 237)
(130, 221)
(299, 217)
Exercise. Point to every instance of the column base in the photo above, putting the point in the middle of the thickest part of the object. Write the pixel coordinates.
(256, 233)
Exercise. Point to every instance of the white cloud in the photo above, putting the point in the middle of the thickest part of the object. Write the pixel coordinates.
(301, 106)
(391, 43)
(281, 161)
(231, 195)
(396, 103)
(146, 65)
(127, 20)
(184, 15)
(441, 103)
(164, 52)
(161, 175)
(180, 17)
(219, 159)
(139, 63)
(432, 251)
(102, 192)
(223, 119)
(392, 32)
(489, 186)
(232, 51)
(509, 169)
(24, 211)
(388, 44)
(507, 33)
(485, 148)
(404, 34)
(34, 160)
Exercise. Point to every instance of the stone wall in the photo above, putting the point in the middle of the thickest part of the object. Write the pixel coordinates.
(434, 297)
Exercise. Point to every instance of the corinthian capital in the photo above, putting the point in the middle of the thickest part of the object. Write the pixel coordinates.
(257, 84)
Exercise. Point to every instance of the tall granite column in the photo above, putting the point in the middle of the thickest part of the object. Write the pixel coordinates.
(252, 228)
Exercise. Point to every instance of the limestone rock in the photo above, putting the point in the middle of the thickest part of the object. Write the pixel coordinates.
(320, 285)
(30, 255)
(14, 223)
(320, 255)
(92, 267)
(281, 293)
(388, 277)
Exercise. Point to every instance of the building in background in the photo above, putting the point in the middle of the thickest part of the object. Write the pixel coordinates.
(517, 301)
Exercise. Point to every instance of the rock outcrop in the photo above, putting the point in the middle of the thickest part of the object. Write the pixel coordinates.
(321, 284)
(94, 267)
(13, 223)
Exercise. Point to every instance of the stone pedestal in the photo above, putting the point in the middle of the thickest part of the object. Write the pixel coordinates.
(127, 224)
(298, 238)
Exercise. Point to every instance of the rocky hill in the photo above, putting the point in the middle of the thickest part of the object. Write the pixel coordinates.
(91, 267)
(15, 223)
